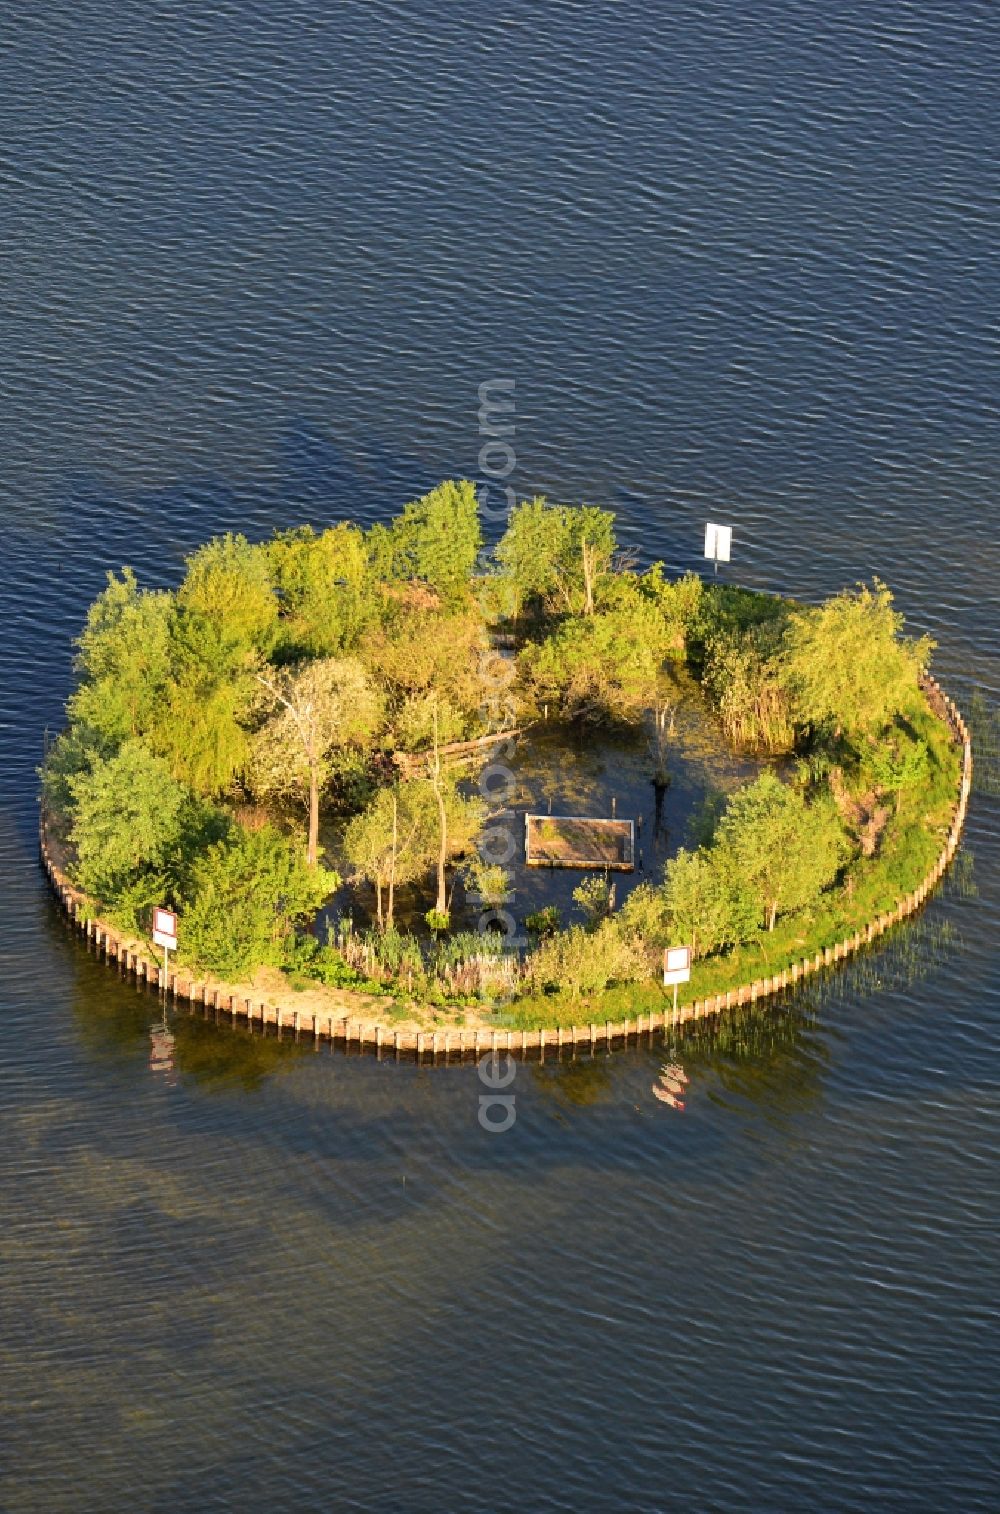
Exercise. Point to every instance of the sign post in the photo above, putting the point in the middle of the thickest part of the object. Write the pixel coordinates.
(676, 968)
(165, 935)
(718, 544)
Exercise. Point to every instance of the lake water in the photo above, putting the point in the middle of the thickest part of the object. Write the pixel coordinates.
(741, 262)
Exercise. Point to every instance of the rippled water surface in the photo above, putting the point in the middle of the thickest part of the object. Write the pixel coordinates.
(741, 261)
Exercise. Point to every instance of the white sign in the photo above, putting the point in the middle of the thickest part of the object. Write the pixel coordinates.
(165, 928)
(718, 542)
(676, 965)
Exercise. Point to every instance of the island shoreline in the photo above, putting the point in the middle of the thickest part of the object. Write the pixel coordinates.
(229, 1002)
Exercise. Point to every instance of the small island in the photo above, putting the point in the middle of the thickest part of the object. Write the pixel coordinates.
(319, 751)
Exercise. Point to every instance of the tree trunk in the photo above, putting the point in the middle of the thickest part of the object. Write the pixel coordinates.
(313, 846)
(588, 580)
(442, 893)
(392, 861)
(378, 899)
(442, 897)
(773, 917)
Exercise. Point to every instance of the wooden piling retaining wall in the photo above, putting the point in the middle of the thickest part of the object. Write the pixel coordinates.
(353, 1033)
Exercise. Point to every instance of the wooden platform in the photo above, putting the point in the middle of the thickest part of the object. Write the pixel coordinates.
(579, 841)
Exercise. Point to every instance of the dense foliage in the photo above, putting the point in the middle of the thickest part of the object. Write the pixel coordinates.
(301, 693)
(242, 899)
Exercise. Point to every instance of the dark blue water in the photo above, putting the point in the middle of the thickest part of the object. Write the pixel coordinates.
(740, 260)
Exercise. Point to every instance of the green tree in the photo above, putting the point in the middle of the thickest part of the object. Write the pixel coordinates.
(847, 664)
(396, 840)
(596, 898)
(126, 819)
(437, 539)
(123, 659)
(245, 897)
(783, 850)
(602, 667)
(74, 752)
(679, 602)
(557, 555)
(200, 726)
(318, 708)
(378, 846)
(898, 764)
(228, 584)
(324, 591)
(708, 907)
(424, 656)
(398, 837)
(216, 642)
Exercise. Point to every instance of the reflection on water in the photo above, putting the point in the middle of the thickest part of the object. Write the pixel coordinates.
(129, 1024)
(772, 1054)
(671, 1085)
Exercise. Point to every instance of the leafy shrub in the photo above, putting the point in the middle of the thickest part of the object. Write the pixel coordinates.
(126, 819)
(896, 764)
(585, 962)
(245, 896)
(300, 951)
(73, 754)
(487, 883)
(595, 896)
(679, 604)
(544, 922)
(778, 849)
(598, 668)
(328, 967)
(847, 664)
(644, 916)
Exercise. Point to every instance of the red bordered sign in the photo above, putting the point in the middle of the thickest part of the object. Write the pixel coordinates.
(676, 965)
(165, 928)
